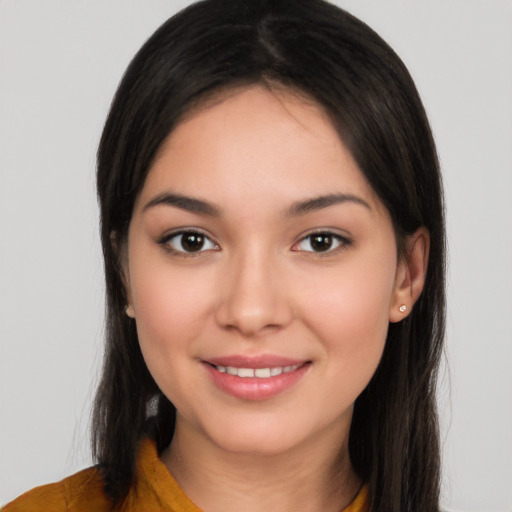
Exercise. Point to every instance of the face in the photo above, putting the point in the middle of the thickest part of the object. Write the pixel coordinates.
(261, 271)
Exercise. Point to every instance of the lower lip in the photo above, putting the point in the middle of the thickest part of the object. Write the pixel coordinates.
(255, 388)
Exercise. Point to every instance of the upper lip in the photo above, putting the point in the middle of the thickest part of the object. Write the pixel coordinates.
(255, 362)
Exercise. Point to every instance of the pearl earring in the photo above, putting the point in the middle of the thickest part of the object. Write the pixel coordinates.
(402, 308)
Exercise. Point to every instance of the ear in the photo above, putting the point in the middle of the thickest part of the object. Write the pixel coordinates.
(410, 275)
(119, 249)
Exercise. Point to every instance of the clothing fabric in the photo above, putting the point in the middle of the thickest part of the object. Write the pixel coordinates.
(156, 491)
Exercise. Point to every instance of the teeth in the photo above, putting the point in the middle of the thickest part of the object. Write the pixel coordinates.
(245, 372)
(260, 373)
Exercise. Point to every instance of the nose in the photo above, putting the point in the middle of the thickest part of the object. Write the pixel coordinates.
(253, 296)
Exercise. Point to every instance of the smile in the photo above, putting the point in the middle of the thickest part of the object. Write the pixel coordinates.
(260, 373)
(257, 378)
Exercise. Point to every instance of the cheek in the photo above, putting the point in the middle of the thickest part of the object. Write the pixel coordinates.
(170, 316)
(163, 310)
(349, 310)
(171, 307)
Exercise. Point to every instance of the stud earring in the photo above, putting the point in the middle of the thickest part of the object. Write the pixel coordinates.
(402, 308)
(129, 311)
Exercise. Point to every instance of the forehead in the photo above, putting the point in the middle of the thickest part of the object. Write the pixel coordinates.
(256, 105)
(256, 141)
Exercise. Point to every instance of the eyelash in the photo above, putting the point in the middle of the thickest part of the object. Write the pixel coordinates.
(166, 240)
(343, 243)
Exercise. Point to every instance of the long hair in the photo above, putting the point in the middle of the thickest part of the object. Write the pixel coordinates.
(325, 53)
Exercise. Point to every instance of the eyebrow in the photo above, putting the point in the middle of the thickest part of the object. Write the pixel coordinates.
(203, 207)
(189, 204)
(317, 203)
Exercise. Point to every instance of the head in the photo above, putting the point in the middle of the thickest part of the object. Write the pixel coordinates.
(311, 51)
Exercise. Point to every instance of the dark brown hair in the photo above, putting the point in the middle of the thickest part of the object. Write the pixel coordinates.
(325, 53)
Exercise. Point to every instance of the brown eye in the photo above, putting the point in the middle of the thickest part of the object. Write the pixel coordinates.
(190, 242)
(322, 242)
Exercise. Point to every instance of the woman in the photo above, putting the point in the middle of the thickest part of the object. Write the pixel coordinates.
(273, 235)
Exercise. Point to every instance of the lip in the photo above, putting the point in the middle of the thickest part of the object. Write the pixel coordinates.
(255, 388)
(255, 362)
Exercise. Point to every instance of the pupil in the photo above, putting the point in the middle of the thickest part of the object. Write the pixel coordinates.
(321, 242)
(192, 242)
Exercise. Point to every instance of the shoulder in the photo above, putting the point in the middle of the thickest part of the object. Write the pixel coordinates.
(81, 492)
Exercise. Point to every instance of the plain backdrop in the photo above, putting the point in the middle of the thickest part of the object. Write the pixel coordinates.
(60, 62)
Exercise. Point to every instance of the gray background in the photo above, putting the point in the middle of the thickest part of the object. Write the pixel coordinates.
(60, 61)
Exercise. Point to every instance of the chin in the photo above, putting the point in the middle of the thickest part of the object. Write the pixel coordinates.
(257, 444)
(266, 437)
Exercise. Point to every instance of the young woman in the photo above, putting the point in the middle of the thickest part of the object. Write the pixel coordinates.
(273, 234)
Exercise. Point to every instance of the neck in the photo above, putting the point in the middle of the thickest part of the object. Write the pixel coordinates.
(317, 475)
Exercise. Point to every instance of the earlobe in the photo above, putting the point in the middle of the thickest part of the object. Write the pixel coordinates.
(410, 276)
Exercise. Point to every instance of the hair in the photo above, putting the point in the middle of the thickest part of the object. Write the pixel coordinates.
(323, 52)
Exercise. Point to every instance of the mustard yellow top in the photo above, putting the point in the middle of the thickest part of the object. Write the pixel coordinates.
(156, 491)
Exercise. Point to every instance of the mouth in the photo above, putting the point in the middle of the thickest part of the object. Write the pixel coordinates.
(259, 373)
(256, 379)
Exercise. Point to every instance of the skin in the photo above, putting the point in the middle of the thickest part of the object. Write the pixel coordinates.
(259, 287)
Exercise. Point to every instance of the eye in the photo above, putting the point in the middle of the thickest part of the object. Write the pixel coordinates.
(189, 242)
(321, 242)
